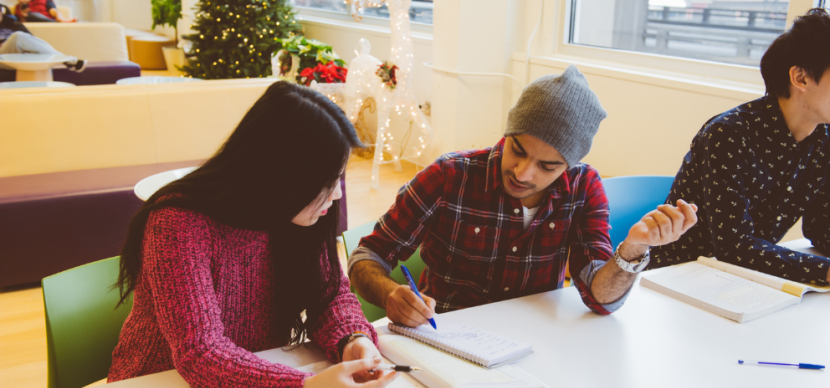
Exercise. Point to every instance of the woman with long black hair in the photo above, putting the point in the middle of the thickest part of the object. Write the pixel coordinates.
(239, 256)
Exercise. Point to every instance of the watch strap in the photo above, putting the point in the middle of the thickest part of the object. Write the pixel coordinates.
(341, 345)
(632, 267)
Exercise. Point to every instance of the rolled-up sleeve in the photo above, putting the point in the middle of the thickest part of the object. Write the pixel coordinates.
(590, 245)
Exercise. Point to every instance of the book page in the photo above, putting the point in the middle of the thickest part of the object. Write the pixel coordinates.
(460, 336)
(720, 289)
(790, 287)
(751, 298)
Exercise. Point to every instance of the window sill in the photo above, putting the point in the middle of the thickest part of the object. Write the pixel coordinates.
(703, 85)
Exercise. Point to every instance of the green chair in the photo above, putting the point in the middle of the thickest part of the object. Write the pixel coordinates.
(630, 198)
(82, 323)
(351, 238)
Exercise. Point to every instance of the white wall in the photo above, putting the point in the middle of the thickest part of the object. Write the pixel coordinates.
(133, 14)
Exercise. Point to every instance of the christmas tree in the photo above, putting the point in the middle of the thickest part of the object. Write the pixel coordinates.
(235, 38)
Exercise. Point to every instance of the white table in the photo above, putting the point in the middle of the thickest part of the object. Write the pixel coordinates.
(33, 67)
(155, 80)
(34, 84)
(145, 188)
(652, 341)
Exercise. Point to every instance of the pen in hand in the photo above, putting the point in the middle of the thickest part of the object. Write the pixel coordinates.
(414, 288)
(396, 368)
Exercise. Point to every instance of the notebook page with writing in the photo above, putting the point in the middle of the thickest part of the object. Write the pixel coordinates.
(441, 370)
(482, 347)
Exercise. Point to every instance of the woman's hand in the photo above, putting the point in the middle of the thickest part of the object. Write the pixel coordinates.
(362, 349)
(343, 375)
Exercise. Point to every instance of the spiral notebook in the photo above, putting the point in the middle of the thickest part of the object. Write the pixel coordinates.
(478, 346)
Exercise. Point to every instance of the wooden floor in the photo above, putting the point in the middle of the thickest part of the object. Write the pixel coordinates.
(22, 327)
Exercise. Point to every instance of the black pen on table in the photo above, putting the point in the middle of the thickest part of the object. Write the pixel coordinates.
(396, 368)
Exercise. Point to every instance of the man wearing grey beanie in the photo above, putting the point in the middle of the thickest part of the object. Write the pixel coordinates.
(499, 223)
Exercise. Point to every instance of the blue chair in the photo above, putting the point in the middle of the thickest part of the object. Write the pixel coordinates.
(630, 198)
(351, 238)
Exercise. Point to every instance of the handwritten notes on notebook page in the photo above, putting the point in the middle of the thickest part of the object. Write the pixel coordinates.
(442, 370)
(467, 341)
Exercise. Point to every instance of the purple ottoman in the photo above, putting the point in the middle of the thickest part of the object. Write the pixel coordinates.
(56, 221)
(96, 73)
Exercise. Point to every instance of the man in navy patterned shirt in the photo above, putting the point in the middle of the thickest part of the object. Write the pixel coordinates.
(505, 222)
(754, 170)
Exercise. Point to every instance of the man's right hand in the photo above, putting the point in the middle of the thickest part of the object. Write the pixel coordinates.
(405, 308)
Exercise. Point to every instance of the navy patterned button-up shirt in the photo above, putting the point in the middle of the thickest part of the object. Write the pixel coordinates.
(751, 182)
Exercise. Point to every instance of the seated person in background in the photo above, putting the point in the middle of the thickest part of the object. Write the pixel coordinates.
(499, 223)
(240, 256)
(15, 38)
(755, 169)
(39, 11)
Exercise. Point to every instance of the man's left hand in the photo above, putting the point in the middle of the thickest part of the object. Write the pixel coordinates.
(659, 227)
(362, 348)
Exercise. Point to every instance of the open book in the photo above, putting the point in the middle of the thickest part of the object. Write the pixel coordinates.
(442, 370)
(733, 292)
(479, 346)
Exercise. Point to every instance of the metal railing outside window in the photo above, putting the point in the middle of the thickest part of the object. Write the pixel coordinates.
(420, 11)
(736, 31)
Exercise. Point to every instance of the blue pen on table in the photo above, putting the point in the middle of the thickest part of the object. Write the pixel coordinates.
(415, 290)
(799, 365)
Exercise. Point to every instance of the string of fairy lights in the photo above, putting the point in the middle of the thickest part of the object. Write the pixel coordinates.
(401, 99)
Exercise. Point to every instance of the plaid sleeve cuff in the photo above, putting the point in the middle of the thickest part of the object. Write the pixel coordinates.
(587, 276)
(363, 253)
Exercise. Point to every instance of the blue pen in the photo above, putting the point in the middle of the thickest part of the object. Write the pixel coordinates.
(799, 365)
(415, 290)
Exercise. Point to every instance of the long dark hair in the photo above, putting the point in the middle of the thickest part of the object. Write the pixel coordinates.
(288, 152)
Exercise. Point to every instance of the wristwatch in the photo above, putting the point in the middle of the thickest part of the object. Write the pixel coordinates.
(634, 266)
(341, 345)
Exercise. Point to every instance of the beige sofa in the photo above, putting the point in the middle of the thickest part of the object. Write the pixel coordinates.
(47, 130)
(97, 42)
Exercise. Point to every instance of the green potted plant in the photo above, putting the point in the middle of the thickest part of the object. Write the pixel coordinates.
(168, 13)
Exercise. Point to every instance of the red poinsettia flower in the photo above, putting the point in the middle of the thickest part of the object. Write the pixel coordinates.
(328, 74)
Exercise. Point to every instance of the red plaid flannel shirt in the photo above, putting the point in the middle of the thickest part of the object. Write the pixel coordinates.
(472, 233)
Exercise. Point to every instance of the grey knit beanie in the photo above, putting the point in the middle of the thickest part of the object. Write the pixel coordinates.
(560, 110)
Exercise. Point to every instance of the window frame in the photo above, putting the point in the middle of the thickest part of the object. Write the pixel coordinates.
(556, 23)
(319, 13)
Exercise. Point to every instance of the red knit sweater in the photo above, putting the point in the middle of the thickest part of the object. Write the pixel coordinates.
(204, 303)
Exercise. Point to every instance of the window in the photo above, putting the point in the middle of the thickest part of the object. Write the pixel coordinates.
(729, 31)
(420, 11)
